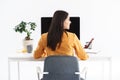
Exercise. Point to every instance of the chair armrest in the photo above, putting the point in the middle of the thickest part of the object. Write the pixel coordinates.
(77, 73)
(40, 72)
(38, 69)
(84, 72)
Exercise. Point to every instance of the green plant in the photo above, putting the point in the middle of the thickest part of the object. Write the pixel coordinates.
(25, 27)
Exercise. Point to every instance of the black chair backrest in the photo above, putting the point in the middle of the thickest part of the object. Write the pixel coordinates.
(61, 68)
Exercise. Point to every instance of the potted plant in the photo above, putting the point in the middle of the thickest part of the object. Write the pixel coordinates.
(27, 28)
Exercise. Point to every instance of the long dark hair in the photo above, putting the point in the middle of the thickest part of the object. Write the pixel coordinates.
(56, 29)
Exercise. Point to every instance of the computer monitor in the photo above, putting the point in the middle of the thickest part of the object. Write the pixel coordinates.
(74, 26)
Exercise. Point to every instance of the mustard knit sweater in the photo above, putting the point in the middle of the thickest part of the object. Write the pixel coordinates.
(70, 46)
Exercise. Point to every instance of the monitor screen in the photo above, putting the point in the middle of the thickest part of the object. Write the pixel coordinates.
(74, 26)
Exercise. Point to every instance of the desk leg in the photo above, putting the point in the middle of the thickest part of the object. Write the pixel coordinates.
(18, 65)
(8, 70)
(110, 72)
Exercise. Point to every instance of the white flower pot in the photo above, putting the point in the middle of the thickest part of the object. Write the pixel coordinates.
(28, 45)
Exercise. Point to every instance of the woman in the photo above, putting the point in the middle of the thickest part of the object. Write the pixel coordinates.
(58, 41)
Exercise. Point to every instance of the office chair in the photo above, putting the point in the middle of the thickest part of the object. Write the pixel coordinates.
(60, 68)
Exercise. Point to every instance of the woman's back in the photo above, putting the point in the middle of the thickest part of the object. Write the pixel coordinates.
(66, 47)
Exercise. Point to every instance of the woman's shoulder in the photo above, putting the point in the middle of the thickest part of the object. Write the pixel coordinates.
(71, 33)
(44, 35)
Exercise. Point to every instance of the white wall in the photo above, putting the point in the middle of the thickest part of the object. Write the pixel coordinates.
(99, 19)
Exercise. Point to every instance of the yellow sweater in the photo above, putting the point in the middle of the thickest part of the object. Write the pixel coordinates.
(70, 45)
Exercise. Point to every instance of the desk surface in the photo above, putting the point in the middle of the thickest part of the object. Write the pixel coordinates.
(29, 57)
(93, 55)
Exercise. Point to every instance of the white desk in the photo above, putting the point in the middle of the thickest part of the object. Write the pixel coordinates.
(28, 57)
